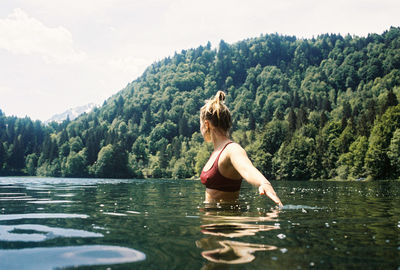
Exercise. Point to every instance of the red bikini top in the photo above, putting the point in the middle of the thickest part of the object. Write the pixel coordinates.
(215, 180)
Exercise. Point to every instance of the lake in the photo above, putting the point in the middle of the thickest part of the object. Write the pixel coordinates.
(54, 223)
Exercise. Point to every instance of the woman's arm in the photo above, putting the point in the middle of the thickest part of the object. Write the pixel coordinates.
(251, 174)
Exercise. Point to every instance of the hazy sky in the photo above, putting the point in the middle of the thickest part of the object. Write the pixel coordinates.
(59, 54)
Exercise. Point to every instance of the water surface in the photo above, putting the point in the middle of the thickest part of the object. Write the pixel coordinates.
(53, 223)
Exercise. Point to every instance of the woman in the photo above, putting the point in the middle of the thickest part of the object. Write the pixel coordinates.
(228, 164)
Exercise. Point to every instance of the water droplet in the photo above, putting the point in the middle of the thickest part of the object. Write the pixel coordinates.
(312, 264)
(281, 236)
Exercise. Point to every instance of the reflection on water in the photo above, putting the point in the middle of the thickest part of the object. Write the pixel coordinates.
(232, 230)
(47, 201)
(38, 233)
(73, 256)
(230, 252)
(40, 216)
(48, 223)
(231, 223)
(299, 207)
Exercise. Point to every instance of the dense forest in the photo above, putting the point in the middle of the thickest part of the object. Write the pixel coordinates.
(320, 108)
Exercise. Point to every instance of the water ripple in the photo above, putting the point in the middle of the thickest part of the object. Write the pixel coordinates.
(40, 216)
(299, 207)
(46, 201)
(39, 233)
(72, 256)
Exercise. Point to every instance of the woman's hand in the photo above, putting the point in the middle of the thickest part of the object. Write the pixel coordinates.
(266, 189)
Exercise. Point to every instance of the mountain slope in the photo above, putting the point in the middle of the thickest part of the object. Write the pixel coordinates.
(304, 109)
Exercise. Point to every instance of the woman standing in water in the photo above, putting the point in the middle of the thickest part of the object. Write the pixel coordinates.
(228, 164)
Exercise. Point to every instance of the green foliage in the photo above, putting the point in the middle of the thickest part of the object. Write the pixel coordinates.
(31, 163)
(351, 164)
(303, 109)
(294, 159)
(111, 162)
(394, 153)
(377, 161)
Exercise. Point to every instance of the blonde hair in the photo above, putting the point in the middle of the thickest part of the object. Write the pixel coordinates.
(217, 112)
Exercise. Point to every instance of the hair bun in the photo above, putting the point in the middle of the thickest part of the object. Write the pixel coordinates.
(220, 96)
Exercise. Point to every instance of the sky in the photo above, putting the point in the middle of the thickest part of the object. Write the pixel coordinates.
(60, 54)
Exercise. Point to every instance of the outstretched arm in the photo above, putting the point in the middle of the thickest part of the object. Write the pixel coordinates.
(251, 174)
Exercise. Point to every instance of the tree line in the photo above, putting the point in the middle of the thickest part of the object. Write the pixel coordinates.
(319, 108)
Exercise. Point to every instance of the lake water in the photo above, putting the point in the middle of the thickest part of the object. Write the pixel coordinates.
(52, 223)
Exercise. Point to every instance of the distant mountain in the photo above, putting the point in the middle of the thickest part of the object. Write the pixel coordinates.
(71, 113)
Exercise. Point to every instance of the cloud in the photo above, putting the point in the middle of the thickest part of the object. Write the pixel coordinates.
(21, 34)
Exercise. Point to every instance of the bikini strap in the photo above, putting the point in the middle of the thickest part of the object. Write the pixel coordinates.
(216, 160)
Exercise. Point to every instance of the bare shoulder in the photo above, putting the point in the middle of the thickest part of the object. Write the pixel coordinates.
(238, 158)
(236, 149)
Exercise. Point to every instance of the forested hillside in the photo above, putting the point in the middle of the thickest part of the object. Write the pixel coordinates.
(318, 108)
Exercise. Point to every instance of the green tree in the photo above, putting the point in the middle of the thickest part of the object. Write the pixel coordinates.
(31, 163)
(3, 157)
(273, 136)
(103, 167)
(394, 153)
(75, 144)
(293, 160)
(76, 164)
(377, 162)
